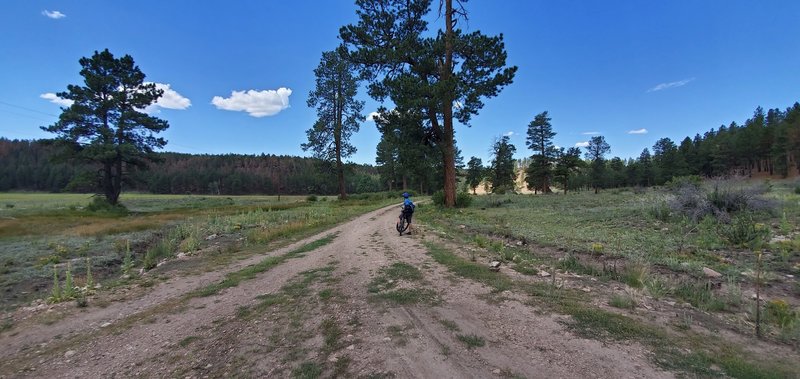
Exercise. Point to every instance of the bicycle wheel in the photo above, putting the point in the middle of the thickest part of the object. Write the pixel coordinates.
(402, 226)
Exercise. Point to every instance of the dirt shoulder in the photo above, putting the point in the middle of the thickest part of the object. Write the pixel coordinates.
(333, 311)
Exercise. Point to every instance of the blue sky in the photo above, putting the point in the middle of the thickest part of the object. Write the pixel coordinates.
(632, 71)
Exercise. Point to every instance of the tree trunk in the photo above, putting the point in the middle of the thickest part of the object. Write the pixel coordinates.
(448, 148)
(337, 135)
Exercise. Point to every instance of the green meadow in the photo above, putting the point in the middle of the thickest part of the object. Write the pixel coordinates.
(42, 233)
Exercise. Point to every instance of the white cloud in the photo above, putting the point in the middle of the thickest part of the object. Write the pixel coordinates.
(256, 103)
(56, 100)
(590, 133)
(170, 99)
(582, 144)
(669, 85)
(55, 15)
(508, 134)
(372, 115)
(638, 131)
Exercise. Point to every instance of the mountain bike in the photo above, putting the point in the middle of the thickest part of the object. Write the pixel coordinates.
(402, 225)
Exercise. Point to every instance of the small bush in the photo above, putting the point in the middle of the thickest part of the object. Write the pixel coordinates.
(636, 274)
(723, 202)
(160, 250)
(471, 340)
(438, 198)
(100, 204)
(657, 287)
(690, 201)
(463, 199)
(9, 205)
(681, 181)
(311, 198)
(797, 190)
(622, 301)
(744, 231)
(779, 313)
(724, 198)
(700, 295)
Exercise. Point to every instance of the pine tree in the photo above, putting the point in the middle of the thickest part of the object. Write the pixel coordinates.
(106, 125)
(475, 173)
(595, 152)
(502, 173)
(427, 73)
(540, 140)
(338, 112)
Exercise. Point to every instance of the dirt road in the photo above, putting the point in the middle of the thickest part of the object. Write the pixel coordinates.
(333, 311)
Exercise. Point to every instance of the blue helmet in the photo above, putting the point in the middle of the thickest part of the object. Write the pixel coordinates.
(405, 194)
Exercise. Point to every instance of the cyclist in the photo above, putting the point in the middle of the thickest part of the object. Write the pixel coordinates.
(408, 210)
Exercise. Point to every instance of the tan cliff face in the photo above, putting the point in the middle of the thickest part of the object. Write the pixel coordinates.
(520, 186)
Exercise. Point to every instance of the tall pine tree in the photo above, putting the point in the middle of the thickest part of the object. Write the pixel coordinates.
(105, 124)
(338, 112)
(428, 73)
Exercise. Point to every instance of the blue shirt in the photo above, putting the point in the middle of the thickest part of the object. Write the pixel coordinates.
(408, 203)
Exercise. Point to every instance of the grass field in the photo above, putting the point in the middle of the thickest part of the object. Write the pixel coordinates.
(641, 240)
(40, 232)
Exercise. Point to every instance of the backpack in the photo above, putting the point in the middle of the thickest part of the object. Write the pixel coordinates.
(409, 208)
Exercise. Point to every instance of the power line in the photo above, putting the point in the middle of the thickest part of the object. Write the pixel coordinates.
(27, 109)
(24, 115)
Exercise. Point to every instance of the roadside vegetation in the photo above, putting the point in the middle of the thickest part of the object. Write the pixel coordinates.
(706, 256)
(48, 239)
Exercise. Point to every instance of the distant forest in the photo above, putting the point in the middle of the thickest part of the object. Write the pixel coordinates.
(28, 166)
(767, 144)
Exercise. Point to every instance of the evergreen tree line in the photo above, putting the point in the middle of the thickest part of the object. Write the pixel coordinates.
(767, 144)
(30, 166)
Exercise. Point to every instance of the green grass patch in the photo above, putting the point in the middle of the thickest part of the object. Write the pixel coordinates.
(233, 279)
(469, 270)
(408, 296)
(188, 340)
(622, 301)
(450, 325)
(700, 295)
(326, 294)
(389, 276)
(471, 340)
(331, 333)
(307, 370)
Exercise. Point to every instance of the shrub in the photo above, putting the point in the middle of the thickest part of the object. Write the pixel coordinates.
(681, 181)
(797, 190)
(744, 231)
(724, 198)
(463, 199)
(438, 198)
(636, 274)
(311, 198)
(658, 288)
(780, 313)
(100, 204)
(160, 250)
(690, 201)
(622, 301)
(724, 201)
(660, 211)
(700, 295)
